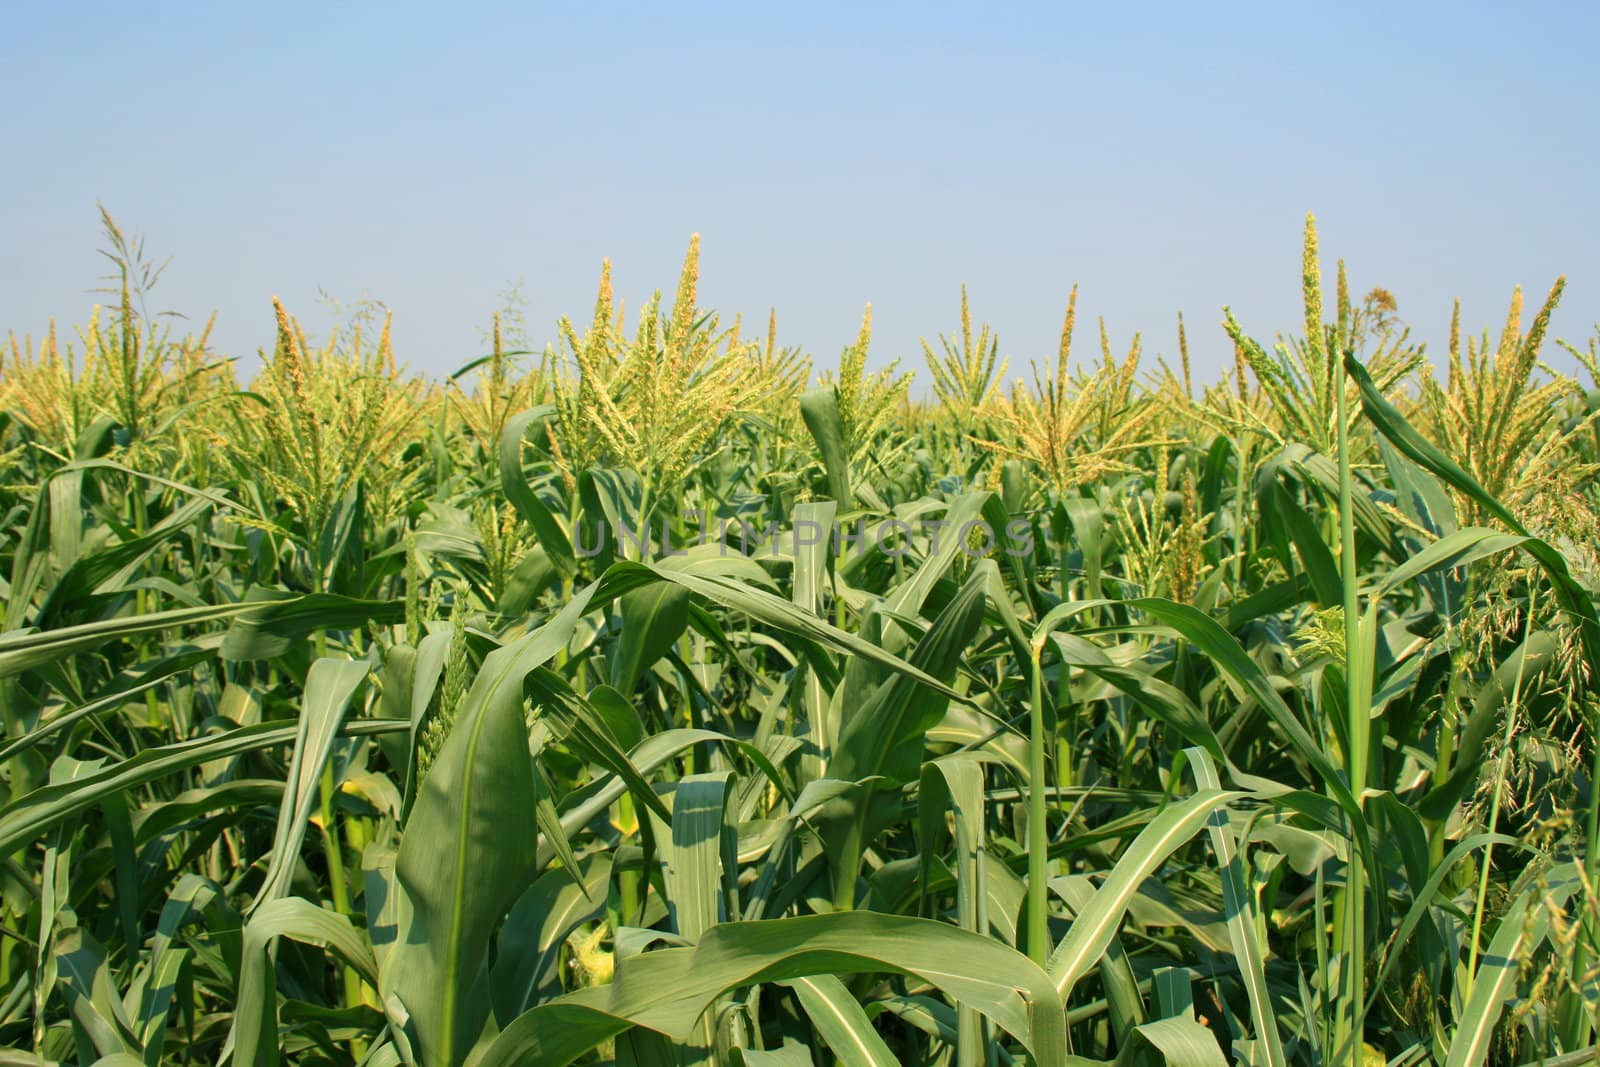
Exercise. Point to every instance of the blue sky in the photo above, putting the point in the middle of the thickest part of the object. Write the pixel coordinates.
(1162, 156)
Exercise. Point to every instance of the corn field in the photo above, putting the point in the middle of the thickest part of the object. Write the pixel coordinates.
(662, 697)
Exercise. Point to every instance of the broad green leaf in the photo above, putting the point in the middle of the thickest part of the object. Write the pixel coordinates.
(1124, 1005)
(269, 626)
(1097, 923)
(841, 1022)
(820, 410)
(1239, 906)
(330, 685)
(122, 689)
(106, 570)
(552, 538)
(23, 650)
(527, 964)
(254, 1034)
(653, 618)
(1179, 1041)
(31, 815)
(467, 854)
(667, 990)
(955, 784)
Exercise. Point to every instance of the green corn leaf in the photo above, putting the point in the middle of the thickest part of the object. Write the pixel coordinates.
(1239, 907)
(30, 815)
(1097, 923)
(1176, 1042)
(125, 687)
(330, 686)
(467, 854)
(955, 784)
(1124, 1005)
(552, 538)
(668, 989)
(653, 618)
(840, 1021)
(820, 410)
(527, 964)
(270, 625)
(693, 850)
(253, 1038)
(23, 650)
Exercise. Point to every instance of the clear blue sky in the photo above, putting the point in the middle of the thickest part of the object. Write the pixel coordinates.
(1163, 156)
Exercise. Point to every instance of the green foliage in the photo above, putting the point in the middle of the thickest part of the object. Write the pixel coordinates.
(445, 726)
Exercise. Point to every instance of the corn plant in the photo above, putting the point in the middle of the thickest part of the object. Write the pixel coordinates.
(650, 705)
